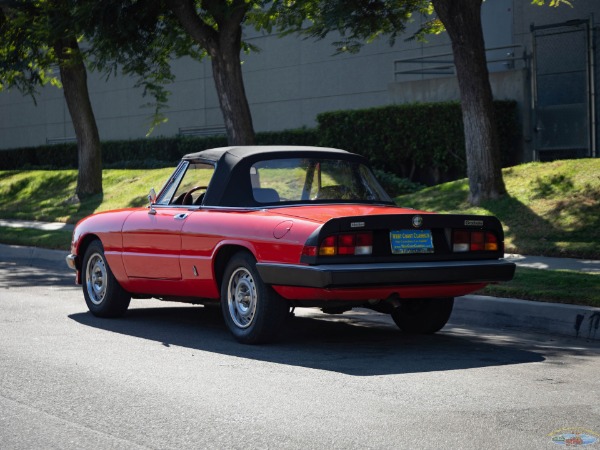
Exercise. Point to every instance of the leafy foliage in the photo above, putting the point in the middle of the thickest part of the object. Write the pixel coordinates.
(139, 39)
(140, 153)
(28, 32)
(552, 3)
(401, 139)
(357, 21)
(395, 185)
(397, 139)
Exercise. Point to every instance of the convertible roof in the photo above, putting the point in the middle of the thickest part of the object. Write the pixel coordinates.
(241, 152)
(231, 183)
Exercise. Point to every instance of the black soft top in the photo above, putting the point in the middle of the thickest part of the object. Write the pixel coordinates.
(231, 184)
(240, 152)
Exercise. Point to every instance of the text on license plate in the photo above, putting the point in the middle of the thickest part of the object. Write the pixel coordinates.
(411, 241)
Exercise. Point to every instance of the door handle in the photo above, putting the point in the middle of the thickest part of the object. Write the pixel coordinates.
(180, 216)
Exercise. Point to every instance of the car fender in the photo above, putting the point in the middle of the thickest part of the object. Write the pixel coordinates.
(107, 227)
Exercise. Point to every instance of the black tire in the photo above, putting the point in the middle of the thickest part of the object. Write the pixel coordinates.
(103, 294)
(423, 315)
(253, 311)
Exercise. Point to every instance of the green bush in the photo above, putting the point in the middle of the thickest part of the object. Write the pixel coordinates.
(395, 185)
(299, 136)
(423, 142)
(140, 153)
(405, 138)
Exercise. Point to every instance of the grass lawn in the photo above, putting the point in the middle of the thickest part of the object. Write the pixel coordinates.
(53, 239)
(46, 195)
(551, 209)
(558, 286)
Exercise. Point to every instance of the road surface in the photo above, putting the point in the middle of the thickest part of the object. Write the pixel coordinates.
(170, 376)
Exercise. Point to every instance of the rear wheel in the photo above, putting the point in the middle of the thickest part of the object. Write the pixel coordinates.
(253, 312)
(104, 296)
(423, 315)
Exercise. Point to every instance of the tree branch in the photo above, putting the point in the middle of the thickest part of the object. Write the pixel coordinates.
(191, 22)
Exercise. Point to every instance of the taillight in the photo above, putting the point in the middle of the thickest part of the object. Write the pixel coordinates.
(364, 244)
(473, 241)
(461, 241)
(347, 244)
(491, 242)
(328, 247)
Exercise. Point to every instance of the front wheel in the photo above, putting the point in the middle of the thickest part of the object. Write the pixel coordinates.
(253, 312)
(423, 315)
(103, 294)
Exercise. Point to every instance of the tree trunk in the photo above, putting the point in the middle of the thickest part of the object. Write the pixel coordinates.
(74, 79)
(223, 45)
(462, 19)
(229, 82)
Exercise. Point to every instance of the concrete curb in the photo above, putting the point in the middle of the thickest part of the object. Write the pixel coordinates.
(32, 254)
(551, 318)
(581, 322)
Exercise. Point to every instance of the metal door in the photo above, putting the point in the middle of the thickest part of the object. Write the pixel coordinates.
(563, 91)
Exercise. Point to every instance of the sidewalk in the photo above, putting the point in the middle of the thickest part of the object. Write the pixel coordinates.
(36, 225)
(545, 262)
(549, 318)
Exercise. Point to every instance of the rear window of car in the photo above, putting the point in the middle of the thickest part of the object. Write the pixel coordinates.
(310, 179)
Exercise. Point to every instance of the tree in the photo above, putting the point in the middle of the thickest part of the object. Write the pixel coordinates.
(462, 20)
(217, 27)
(142, 35)
(363, 20)
(34, 36)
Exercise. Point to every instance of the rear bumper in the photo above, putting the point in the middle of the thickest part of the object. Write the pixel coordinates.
(396, 274)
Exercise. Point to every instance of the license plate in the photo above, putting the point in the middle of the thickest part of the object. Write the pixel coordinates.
(411, 241)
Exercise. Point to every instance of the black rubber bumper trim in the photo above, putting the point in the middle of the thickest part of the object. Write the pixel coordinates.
(406, 274)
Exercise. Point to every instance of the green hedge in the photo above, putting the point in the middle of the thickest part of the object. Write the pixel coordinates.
(424, 137)
(423, 142)
(140, 153)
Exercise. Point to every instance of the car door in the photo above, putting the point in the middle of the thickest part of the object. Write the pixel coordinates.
(152, 237)
(152, 243)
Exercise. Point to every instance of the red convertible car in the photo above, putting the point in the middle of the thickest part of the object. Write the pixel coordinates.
(265, 229)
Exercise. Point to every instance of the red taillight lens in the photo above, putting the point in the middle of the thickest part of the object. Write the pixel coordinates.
(309, 250)
(473, 241)
(347, 244)
(477, 241)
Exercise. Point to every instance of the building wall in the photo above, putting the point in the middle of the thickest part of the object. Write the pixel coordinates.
(288, 83)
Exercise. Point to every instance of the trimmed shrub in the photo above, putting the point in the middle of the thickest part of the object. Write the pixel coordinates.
(422, 142)
(426, 139)
(140, 153)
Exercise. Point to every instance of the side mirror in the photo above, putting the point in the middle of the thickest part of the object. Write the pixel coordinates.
(152, 196)
(152, 200)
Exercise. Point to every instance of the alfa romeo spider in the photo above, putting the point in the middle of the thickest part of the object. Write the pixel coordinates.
(263, 229)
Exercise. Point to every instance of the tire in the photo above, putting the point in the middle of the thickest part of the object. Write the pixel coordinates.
(253, 311)
(423, 315)
(103, 294)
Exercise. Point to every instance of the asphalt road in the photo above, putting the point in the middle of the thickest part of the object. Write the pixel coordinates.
(170, 376)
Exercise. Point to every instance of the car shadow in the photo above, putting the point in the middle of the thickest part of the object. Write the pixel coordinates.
(351, 346)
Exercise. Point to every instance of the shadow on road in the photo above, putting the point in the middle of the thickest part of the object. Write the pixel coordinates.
(42, 274)
(351, 346)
